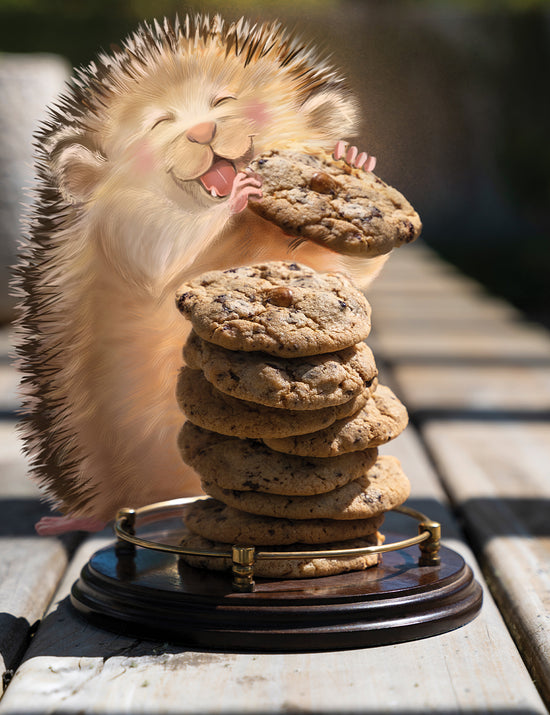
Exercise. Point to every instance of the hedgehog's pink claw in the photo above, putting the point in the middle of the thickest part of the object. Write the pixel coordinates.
(370, 163)
(55, 525)
(361, 159)
(246, 187)
(339, 149)
(351, 155)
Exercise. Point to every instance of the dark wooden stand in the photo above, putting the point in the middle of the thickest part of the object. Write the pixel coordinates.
(154, 595)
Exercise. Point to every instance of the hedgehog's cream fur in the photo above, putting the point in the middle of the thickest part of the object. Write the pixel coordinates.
(120, 222)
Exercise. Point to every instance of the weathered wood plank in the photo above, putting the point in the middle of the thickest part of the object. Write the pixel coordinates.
(9, 401)
(435, 320)
(498, 477)
(443, 343)
(470, 389)
(418, 302)
(72, 666)
(480, 390)
(30, 567)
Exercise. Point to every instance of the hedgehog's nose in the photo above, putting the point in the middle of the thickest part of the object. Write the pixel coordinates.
(202, 133)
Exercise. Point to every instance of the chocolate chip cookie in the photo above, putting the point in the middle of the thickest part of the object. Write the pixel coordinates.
(211, 409)
(320, 199)
(305, 567)
(248, 465)
(383, 487)
(382, 419)
(280, 308)
(288, 383)
(218, 522)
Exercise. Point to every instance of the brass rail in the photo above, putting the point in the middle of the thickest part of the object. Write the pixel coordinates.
(244, 557)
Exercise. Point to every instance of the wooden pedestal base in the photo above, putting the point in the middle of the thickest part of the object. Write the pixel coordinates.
(153, 595)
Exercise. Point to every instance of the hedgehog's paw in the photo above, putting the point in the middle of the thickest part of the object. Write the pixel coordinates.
(246, 187)
(55, 525)
(353, 156)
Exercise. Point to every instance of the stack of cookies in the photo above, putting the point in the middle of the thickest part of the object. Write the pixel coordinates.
(284, 417)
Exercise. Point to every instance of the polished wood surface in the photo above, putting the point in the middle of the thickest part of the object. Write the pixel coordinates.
(154, 594)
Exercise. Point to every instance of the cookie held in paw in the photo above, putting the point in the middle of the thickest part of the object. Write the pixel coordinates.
(211, 409)
(382, 488)
(280, 308)
(219, 522)
(248, 465)
(307, 383)
(382, 418)
(320, 199)
(305, 567)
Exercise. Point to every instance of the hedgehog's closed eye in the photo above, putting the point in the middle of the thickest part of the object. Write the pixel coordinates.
(221, 100)
(164, 118)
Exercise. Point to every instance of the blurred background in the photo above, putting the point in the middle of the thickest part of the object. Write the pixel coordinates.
(455, 97)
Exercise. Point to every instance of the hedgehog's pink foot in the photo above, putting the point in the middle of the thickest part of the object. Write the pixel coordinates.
(54, 525)
(353, 157)
(246, 187)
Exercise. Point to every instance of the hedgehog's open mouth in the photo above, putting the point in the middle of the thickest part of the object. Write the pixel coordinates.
(219, 178)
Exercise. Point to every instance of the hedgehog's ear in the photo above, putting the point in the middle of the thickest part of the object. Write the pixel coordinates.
(331, 113)
(78, 170)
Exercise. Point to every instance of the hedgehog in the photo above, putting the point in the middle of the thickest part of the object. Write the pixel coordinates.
(142, 185)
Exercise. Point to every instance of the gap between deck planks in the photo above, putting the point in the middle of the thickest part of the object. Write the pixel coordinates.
(476, 381)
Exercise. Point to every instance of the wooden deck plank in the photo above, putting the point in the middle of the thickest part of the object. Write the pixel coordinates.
(430, 320)
(72, 666)
(30, 567)
(498, 476)
(440, 343)
(479, 390)
(483, 391)
(8, 391)
(418, 302)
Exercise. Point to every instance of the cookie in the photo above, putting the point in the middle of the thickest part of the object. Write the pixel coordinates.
(248, 465)
(382, 419)
(319, 199)
(211, 409)
(287, 568)
(280, 308)
(383, 487)
(289, 383)
(219, 522)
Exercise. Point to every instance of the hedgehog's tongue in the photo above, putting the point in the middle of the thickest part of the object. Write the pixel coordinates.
(218, 180)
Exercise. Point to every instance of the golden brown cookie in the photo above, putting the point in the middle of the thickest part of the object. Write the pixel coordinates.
(382, 488)
(306, 383)
(319, 199)
(382, 419)
(211, 409)
(248, 465)
(305, 567)
(219, 522)
(278, 307)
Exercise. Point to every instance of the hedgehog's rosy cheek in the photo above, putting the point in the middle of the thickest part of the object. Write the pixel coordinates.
(257, 112)
(143, 157)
